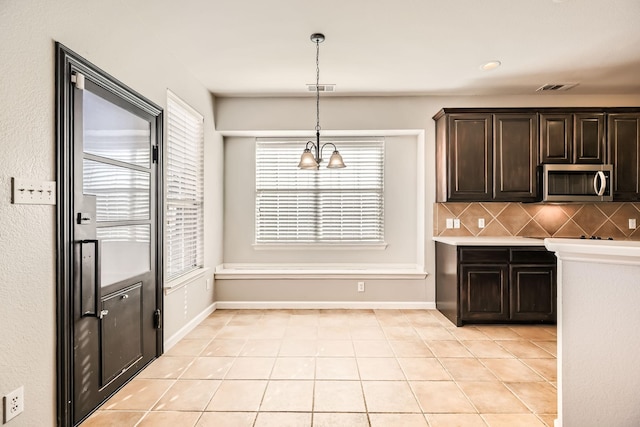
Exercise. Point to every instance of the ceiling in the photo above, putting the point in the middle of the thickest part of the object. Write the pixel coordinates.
(402, 47)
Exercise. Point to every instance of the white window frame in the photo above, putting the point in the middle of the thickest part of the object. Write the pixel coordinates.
(184, 190)
(279, 182)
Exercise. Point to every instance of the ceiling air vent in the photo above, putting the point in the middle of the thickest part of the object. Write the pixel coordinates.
(321, 88)
(553, 87)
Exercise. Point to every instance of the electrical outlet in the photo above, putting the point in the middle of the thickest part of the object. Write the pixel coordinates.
(632, 223)
(480, 222)
(456, 223)
(360, 286)
(13, 404)
(449, 223)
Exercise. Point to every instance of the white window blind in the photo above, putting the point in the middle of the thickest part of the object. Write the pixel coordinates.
(185, 182)
(320, 206)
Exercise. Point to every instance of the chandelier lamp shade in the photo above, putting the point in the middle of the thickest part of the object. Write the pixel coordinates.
(312, 154)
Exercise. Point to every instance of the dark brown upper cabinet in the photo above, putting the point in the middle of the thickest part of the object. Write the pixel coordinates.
(464, 152)
(515, 157)
(484, 156)
(572, 138)
(624, 154)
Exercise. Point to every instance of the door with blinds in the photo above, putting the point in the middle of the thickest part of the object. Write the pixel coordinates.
(114, 287)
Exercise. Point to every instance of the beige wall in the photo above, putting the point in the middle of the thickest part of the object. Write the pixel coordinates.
(105, 34)
(254, 116)
(399, 217)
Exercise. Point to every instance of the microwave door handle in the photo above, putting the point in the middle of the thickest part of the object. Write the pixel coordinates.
(603, 183)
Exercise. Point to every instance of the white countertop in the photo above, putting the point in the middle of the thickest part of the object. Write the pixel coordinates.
(489, 241)
(625, 252)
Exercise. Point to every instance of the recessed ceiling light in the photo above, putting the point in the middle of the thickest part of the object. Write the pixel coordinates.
(491, 65)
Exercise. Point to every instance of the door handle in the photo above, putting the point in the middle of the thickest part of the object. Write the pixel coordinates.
(599, 189)
(97, 287)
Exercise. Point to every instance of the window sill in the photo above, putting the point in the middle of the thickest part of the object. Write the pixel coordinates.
(318, 271)
(319, 246)
(184, 280)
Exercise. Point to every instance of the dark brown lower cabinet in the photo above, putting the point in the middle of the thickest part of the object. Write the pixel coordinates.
(495, 284)
(532, 291)
(483, 292)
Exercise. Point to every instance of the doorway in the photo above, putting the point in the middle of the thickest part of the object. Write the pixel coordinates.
(109, 293)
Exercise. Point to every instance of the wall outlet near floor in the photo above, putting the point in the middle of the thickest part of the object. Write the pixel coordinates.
(13, 404)
(449, 223)
(360, 286)
(480, 222)
(632, 223)
(456, 223)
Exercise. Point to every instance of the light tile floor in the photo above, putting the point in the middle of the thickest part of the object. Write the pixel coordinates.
(344, 368)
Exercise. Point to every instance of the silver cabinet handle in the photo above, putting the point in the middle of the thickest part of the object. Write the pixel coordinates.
(603, 183)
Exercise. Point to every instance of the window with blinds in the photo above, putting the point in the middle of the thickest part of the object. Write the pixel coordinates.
(331, 206)
(184, 234)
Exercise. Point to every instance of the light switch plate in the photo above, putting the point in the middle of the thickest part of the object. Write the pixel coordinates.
(449, 222)
(480, 222)
(632, 223)
(456, 223)
(30, 192)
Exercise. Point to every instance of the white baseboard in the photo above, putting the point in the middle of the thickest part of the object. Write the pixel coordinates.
(257, 305)
(182, 332)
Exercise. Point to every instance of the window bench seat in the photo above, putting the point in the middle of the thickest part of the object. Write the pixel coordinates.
(319, 271)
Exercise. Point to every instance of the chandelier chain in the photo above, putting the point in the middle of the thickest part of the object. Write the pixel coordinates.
(318, 85)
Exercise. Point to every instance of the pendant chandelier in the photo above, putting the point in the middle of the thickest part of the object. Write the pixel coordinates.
(312, 159)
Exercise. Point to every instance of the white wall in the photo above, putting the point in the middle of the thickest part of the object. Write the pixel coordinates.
(598, 349)
(237, 118)
(105, 34)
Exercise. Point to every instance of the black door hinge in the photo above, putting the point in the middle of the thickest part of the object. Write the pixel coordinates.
(154, 154)
(157, 319)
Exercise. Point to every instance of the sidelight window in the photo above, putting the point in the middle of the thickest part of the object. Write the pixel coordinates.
(184, 188)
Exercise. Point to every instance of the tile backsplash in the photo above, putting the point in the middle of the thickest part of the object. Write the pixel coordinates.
(539, 220)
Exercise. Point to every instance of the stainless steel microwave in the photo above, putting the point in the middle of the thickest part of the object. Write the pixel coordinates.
(577, 183)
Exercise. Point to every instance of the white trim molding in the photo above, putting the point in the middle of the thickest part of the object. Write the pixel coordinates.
(184, 280)
(182, 332)
(291, 305)
(319, 271)
(318, 246)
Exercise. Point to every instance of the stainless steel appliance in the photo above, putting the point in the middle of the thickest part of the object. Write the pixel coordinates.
(577, 183)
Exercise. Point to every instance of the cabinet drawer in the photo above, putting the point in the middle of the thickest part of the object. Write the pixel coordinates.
(471, 255)
(532, 256)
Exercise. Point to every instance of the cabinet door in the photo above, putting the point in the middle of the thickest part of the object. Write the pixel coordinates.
(533, 293)
(589, 138)
(483, 292)
(624, 153)
(469, 157)
(556, 138)
(516, 157)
